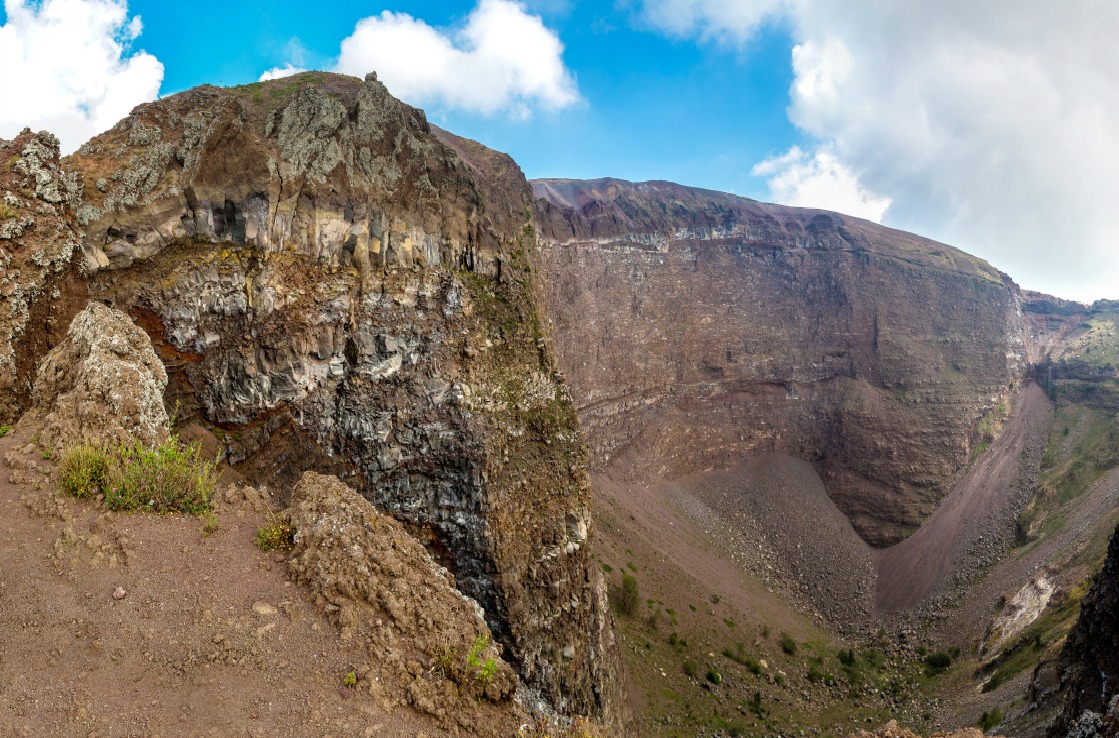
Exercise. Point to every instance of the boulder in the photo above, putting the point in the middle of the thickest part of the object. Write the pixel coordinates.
(103, 384)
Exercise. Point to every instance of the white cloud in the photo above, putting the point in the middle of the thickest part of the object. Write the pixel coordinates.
(502, 59)
(279, 72)
(66, 66)
(819, 180)
(993, 126)
(727, 21)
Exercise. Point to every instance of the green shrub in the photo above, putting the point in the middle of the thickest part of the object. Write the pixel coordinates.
(939, 660)
(788, 645)
(847, 658)
(350, 679)
(164, 478)
(690, 668)
(210, 525)
(630, 596)
(84, 470)
(814, 674)
(714, 677)
(277, 534)
(483, 671)
(990, 719)
(5, 430)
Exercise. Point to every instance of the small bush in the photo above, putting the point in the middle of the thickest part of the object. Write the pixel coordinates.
(350, 680)
(84, 470)
(690, 668)
(277, 534)
(165, 478)
(210, 525)
(483, 671)
(814, 674)
(5, 430)
(788, 645)
(990, 719)
(630, 596)
(847, 658)
(938, 662)
(714, 677)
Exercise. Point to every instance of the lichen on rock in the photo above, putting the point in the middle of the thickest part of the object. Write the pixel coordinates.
(102, 385)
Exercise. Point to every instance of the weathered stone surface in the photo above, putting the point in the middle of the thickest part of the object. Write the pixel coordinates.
(696, 328)
(1089, 662)
(40, 288)
(102, 385)
(386, 593)
(333, 287)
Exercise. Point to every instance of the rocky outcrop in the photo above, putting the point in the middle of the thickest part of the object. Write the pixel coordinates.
(334, 285)
(40, 285)
(696, 328)
(102, 385)
(430, 644)
(1089, 662)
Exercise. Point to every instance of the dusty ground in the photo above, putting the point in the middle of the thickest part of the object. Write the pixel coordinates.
(209, 638)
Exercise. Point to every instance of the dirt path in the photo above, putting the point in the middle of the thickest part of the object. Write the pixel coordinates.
(914, 569)
(209, 637)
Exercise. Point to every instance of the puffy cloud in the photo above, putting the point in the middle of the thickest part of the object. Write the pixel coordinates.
(993, 125)
(502, 59)
(67, 67)
(819, 180)
(279, 72)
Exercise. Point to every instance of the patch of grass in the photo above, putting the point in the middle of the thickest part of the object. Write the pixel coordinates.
(690, 668)
(483, 671)
(350, 680)
(739, 656)
(6, 211)
(788, 645)
(5, 430)
(169, 477)
(277, 534)
(210, 525)
(729, 623)
(165, 478)
(84, 470)
(607, 568)
(990, 719)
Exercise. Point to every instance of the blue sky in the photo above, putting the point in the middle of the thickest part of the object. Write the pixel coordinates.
(653, 107)
(990, 126)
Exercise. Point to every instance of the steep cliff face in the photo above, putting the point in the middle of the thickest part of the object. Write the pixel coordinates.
(332, 287)
(697, 327)
(1089, 663)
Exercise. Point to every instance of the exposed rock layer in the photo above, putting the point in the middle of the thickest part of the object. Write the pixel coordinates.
(696, 328)
(333, 287)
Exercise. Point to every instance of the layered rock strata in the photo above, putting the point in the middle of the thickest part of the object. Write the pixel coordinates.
(697, 328)
(333, 287)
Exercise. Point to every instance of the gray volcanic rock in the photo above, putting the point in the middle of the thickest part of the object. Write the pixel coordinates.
(334, 288)
(102, 385)
(697, 328)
